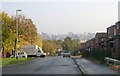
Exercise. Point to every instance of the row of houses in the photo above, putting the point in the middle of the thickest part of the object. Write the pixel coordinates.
(108, 41)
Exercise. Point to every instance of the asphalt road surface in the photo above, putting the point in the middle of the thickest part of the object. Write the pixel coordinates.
(48, 65)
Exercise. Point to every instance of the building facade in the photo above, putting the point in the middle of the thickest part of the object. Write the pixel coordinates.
(99, 37)
(109, 42)
(113, 40)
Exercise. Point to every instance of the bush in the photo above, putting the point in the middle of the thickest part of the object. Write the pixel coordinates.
(98, 54)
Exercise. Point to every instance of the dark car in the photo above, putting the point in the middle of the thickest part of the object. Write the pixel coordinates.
(66, 54)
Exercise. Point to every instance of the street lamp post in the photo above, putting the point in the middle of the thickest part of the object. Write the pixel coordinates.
(16, 32)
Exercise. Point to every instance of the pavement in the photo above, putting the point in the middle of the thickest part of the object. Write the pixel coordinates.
(89, 67)
(48, 65)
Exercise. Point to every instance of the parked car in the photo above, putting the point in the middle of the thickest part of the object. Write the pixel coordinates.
(22, 54)
(66, 54)
(12, 56)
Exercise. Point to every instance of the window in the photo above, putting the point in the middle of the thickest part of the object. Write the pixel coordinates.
(117, 27)
(39, 51)
(114, 31)
(108, 31)
(103, 39)
(110, 37)
(111, 44)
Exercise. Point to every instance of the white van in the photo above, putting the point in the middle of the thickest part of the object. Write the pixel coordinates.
(33, 51)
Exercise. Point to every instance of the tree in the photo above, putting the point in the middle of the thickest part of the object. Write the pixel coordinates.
(26, 29)
(7, 35)
(29, 32)
(69, 44)
(50, 46)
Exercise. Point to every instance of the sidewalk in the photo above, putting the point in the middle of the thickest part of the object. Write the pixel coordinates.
(89, 67)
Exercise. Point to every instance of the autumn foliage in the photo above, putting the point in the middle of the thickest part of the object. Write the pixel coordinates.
(26, 29)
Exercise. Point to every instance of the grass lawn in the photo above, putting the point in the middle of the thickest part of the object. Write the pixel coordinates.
(8, 61)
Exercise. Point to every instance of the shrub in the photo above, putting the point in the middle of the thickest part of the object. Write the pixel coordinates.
(98, 54)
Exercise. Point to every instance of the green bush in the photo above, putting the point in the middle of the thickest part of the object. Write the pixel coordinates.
(98, 54)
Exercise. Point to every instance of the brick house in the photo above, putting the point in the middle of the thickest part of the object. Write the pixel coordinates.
(99, 37)
(113, 40)
(92, 43)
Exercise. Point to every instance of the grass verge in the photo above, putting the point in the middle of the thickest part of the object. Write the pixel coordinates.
(9, 61)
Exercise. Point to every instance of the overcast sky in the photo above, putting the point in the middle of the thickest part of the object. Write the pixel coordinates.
(63, 16)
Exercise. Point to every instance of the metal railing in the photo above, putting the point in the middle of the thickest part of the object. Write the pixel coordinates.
(115, 61)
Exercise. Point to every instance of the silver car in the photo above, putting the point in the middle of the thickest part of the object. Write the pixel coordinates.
(66, 54)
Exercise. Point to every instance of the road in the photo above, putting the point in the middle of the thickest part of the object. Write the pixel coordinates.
(48, 65)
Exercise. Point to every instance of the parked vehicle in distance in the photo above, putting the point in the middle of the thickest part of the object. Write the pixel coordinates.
(33, 51)
(12, 56)
(41, 53)
(66, 54)
(22, 55)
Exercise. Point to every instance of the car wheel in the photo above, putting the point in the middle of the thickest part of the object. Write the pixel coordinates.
(42, 56)
(23, 56)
